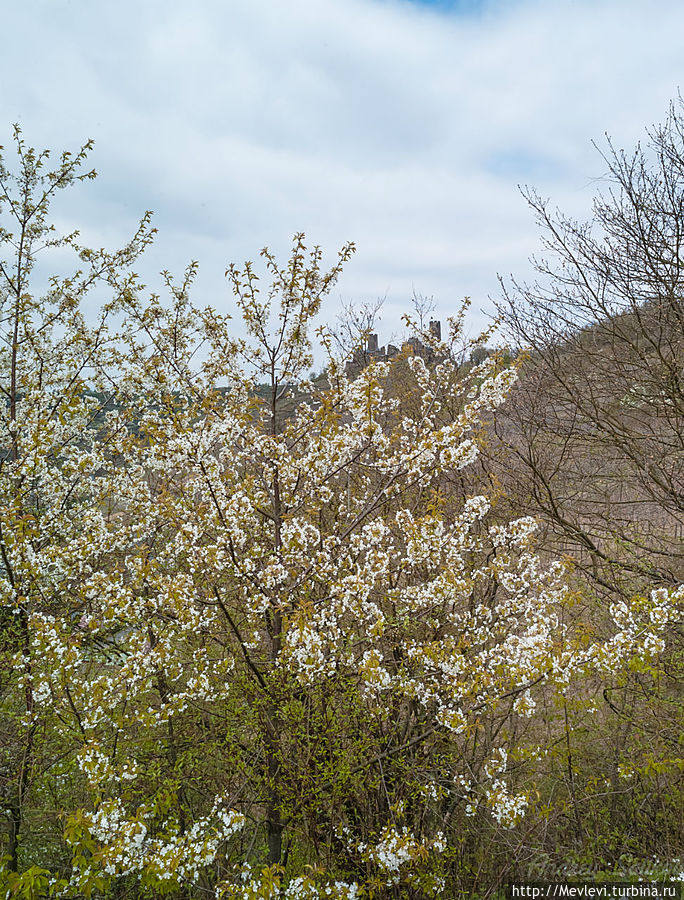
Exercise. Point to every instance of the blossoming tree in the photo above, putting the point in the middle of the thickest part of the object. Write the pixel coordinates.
(269, 649)
(54, 385)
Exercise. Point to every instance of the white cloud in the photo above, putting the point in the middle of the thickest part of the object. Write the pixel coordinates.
(391, 123)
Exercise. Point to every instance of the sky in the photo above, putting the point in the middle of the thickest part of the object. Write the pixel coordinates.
(406, 126)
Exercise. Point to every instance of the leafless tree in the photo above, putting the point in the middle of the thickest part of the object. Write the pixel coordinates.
(597, 424)
(592, 444)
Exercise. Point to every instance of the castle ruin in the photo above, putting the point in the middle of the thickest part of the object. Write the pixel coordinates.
(413, 346)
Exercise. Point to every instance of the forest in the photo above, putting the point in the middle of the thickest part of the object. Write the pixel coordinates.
(408, 629)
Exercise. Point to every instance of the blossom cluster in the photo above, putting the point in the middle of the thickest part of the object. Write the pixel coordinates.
(212, 599)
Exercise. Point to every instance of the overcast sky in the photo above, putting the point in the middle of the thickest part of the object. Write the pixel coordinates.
(404, 126)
